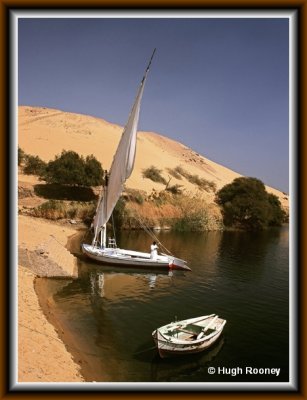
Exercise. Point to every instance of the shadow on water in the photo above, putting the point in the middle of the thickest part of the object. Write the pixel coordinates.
(248, 250)
(178, 368)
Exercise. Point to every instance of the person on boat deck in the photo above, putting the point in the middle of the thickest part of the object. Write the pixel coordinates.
(154, 250)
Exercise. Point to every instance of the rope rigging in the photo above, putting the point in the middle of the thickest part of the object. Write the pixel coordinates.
(149, 231)
(140, 221)
(113, 226)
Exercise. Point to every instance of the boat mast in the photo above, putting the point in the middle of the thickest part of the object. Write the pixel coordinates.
(103, 239)
(103, 236)
(148, 66)
(121, 168)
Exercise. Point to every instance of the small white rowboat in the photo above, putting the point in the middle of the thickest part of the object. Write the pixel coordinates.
(188, 336)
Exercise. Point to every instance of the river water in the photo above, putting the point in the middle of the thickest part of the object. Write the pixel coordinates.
(110, 313)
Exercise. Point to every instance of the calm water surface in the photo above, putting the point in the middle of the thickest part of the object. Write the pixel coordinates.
(242, 277)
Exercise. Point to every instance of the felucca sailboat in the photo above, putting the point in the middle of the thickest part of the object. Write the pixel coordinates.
(121, 169)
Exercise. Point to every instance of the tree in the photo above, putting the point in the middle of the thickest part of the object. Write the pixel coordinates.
(21, 156)
(71, 169)
(246, 204)
(34, 165)
(93, 172)
(278, 215)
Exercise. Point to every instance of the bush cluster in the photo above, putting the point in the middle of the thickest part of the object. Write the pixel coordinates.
(34, 166)
(195, 216)
(174, 189)
(21, 156)
(58, 209)
(69, 168)
(175, 173)
(66, 169)
(246, 204)
(137, 196)
(202, 183)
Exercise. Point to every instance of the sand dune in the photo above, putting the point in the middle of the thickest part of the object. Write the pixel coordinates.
(46, 132)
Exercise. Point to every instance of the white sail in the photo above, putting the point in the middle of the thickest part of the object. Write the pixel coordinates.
(122, 165)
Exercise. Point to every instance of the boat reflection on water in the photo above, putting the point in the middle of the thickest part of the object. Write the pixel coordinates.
(97, 284)
(176, 369)
(107, 283)
(152, 278)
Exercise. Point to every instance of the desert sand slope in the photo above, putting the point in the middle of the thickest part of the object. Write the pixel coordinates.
(46, 132)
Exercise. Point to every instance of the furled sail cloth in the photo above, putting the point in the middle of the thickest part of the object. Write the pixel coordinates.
(122, 165)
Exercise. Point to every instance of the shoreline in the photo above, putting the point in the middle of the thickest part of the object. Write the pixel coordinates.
(43, 344)
(86, 362)
(91, 368)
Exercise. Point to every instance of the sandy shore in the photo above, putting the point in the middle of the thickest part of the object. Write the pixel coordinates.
(42, 356)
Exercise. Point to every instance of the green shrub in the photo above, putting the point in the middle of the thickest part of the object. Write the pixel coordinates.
(189, 223)
(120, 213)
(34, 166)
(71, 169)
(277, 214)
(194, 215)
(173, 172)
(202, 183)
(180, 171)
(21, 156)
(51, 209)
(67, 169)
(137, 196)
(154, 174)
(93, 172)
(86, 212)
(55, 209)
(174, 189)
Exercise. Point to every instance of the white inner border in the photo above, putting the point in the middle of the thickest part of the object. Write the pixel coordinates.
(293, 279)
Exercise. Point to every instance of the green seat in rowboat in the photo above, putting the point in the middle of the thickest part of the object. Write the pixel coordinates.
(196, 329)
(190, 329)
